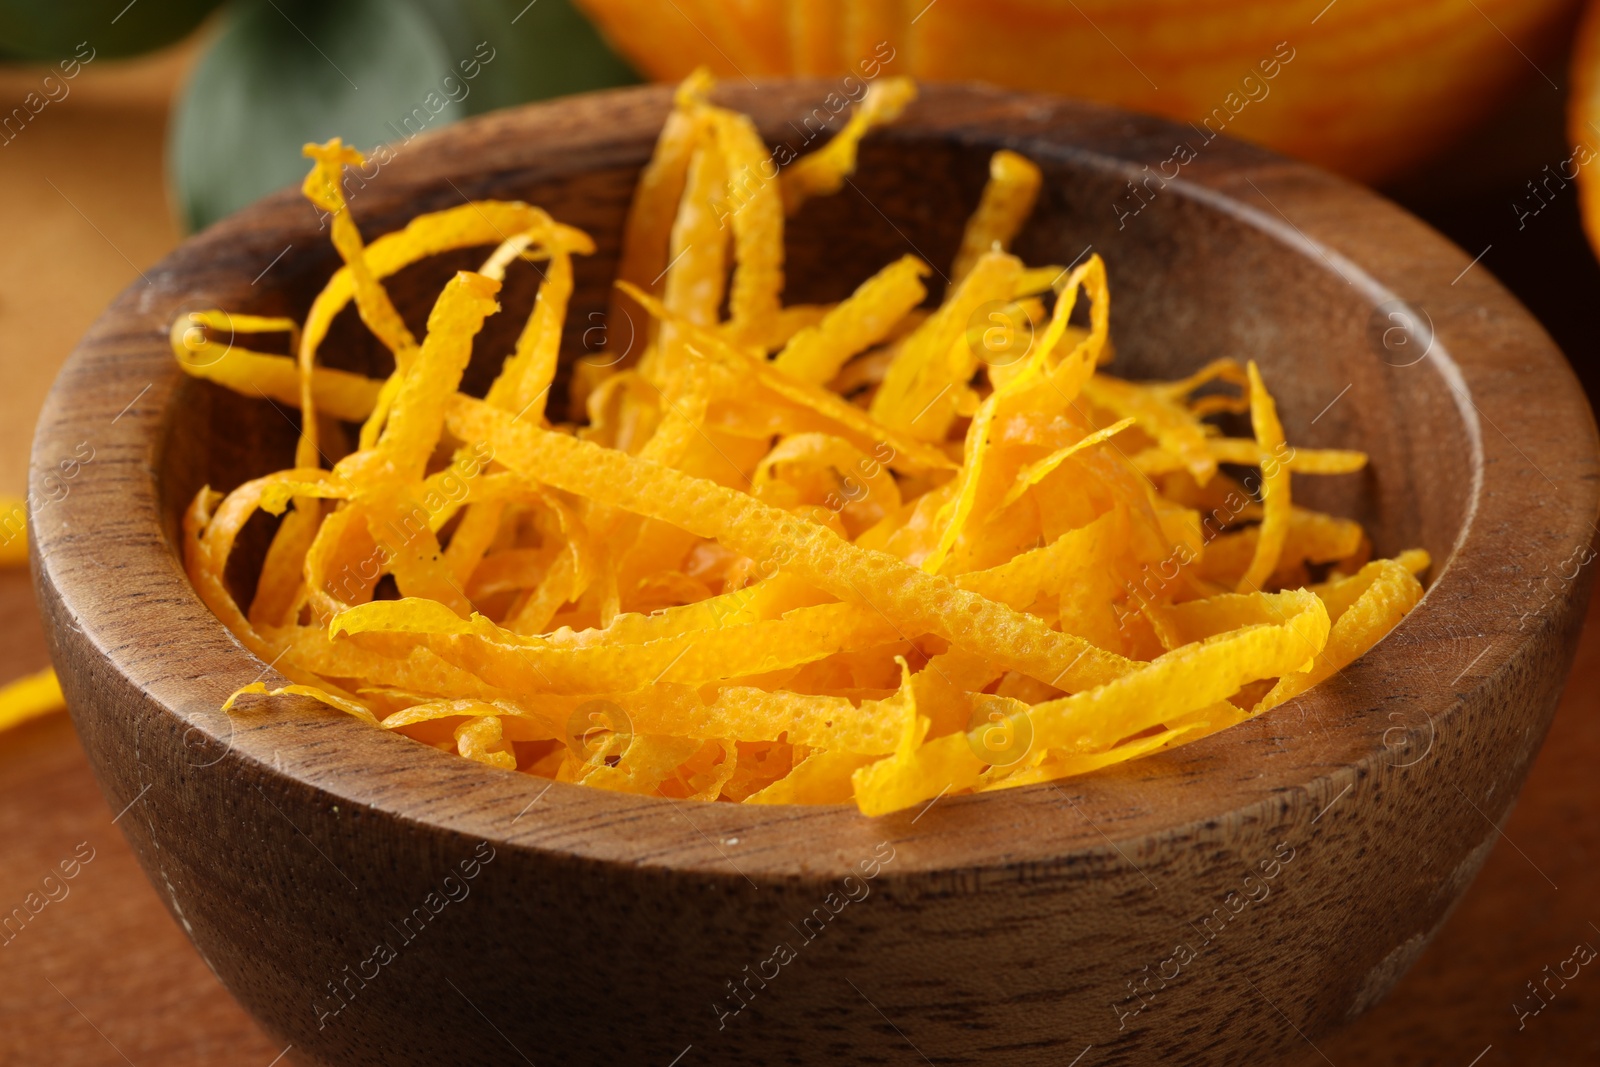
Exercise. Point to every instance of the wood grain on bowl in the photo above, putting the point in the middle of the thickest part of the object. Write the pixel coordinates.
(376, 901)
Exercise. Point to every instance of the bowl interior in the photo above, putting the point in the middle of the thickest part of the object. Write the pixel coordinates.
(1191, 280)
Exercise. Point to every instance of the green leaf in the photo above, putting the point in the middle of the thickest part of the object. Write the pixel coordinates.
(284, 72)
(542, 49)
(53, 29)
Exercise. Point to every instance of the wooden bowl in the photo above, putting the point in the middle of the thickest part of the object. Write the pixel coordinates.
(372, 900)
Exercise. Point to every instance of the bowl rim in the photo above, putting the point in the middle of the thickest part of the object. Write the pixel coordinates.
(1488, 349)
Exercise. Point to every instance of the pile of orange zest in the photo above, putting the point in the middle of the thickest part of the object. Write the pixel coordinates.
(848, 553)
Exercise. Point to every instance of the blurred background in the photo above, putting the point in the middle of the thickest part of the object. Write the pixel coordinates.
(126, 124)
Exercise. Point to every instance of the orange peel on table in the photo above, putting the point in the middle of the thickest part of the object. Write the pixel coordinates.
(30, 697)
(36, 694)
(731, 580)
(13, 532)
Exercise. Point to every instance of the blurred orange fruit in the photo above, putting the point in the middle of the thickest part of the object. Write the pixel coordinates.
(1583, 125)
(1366, 87)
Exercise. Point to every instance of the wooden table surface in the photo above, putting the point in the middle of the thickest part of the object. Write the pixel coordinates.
(103, 975)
